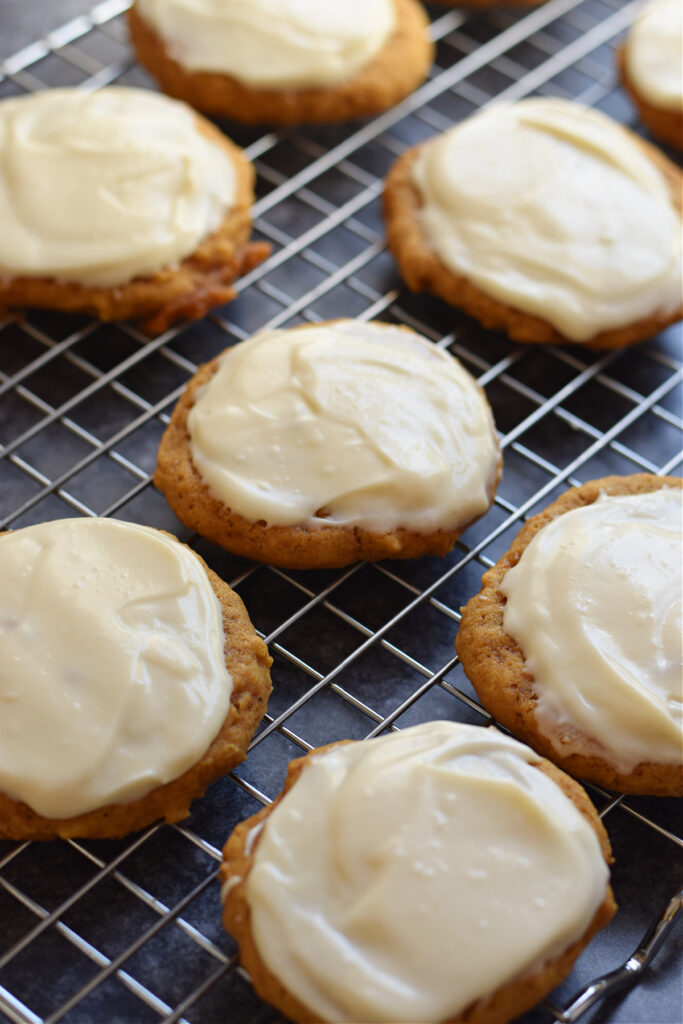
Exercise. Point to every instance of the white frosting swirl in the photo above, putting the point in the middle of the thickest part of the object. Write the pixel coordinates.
(556, 210)
(348, 423)
(595, 605)
(654, 54)
(113, 673)
(275, 44)
(103, 187)
(406, 877)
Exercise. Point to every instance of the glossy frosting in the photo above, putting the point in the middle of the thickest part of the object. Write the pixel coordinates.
(595, 605)
(348, 423)
(403, 878)
(654, 54)
(273, 43)
(113, 673)
(554, 209)
(98, 188)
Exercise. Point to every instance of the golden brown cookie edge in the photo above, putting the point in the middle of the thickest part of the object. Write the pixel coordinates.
(423, 270)
(248, 661)
(503, 1005)
(393, 74)
(495, 664)
(665, 124)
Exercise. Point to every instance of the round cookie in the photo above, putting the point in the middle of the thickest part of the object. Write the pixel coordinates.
(606, 639)
(331, 443)
(122, 204)
(443, 951)
(651, 69)
(389, 74)
(132, 692)
(544, 219)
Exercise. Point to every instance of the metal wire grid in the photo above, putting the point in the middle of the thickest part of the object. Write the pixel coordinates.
(129, 930)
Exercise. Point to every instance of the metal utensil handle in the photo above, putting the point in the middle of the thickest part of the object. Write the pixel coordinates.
(625, 975)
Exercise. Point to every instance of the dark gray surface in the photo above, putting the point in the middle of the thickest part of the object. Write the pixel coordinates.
(22, 21)
(64, 462)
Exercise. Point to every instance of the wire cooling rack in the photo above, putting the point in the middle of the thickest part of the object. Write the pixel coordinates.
(129, 930)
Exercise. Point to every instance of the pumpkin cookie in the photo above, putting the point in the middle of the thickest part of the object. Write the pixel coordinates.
(651, 69)
(544, 219)
(574, 642)
(284, 62)
(327, 444)
(499, 859)
(120, 203)
(132, 678)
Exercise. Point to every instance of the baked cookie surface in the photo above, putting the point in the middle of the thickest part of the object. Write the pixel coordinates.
(132, 678)
(120, 203)
(284, 63)
(330, 443)
(651, 69)
(574, 641)
(544, 219)
(309, 883)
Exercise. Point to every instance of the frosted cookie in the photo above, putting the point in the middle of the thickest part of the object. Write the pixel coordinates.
(498, 858)
(284, 61)
(651, 68)
(574, 643)
(322, 445)
(120, 203)
(131, 679)
(544, 219)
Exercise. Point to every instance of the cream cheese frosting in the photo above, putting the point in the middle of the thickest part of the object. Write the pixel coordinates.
(275, 44)
(554, 209)
(497, 871)
(113, 674)
(103, 187)
(595, 606)
(654, 54)
(359, 424)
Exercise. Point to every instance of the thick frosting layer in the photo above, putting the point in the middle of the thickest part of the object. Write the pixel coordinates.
(348, 423)
(595, 605)
(654, 54)
(556, 210)
(273, 43)
(113, 671)
(103, 187)
(403, 878)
